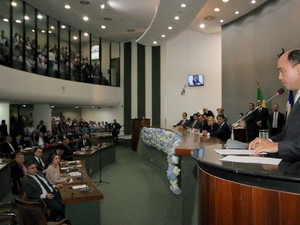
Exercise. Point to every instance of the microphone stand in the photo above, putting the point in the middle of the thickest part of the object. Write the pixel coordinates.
(100, 170)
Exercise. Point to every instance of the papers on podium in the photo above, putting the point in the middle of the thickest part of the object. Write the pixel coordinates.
(251, 159)
(237, 152)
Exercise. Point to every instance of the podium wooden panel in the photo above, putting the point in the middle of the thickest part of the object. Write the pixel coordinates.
(136, 126)
(240, 134)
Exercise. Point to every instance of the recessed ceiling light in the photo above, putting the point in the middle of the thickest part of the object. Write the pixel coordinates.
(183, 5)
(33, 30)
(103, 26)
(67, 7)
(40, 17)
(18, 21)
(24, 106)
(155, 42)
(26, 17)
(176, 17)
(237, 12)
(63, 26)
(6, 20)
(163, 35)
(85, 18)
(42, 31)
(75, 38)
(49, 31)
(14, 4)
(221, 21)
(202, 25)
(76, 107)
(52, 106)
(85, 34)
(216, 9)
(102, 6)
(52, 27)
(225, 0)
(170, 27)
(253, 2)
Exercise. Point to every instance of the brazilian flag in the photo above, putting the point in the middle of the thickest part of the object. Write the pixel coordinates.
(260, 95)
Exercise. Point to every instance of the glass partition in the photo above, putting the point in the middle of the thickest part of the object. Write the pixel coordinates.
(4, 33)
(30, 40)
(42, 44)
(85, 55)
(95, 60)
(17, 30)
(53, 49)
(75, 55)
(105, 61)
(64, 52)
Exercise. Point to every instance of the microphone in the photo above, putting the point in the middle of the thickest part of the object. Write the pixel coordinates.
(279, 92)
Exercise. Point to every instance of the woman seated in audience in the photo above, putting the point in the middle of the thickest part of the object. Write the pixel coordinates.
(53, 171)
(17, 173)
(34, 139)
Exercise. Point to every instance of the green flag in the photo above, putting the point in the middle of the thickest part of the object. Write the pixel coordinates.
(260, 95)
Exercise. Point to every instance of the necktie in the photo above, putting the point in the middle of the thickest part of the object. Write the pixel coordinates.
(274, 125)
(46, 186)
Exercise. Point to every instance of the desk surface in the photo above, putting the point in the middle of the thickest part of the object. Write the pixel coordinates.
(70, 195)
(285, 176)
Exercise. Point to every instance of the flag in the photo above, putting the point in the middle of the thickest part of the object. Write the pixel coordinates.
(290, 103)
(260, 95)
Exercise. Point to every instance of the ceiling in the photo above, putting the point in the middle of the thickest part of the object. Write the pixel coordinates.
(144, 20)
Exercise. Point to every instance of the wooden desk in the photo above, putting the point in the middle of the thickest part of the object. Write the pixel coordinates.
(246, 193)
(81, 207)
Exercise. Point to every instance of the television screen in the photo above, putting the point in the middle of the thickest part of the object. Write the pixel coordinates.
(196, 80)
(95, 52)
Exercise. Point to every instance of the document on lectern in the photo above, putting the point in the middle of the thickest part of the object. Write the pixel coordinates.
(237, 152)
(251, 159)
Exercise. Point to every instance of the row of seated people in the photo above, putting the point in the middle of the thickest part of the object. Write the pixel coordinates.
(207, 125)
(39, 179)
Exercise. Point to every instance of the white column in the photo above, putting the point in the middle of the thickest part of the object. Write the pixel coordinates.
(4, 114)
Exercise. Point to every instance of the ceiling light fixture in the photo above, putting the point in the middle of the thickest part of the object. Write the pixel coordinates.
(18, 21)
(176, 17)
(170, 27)
(237, 12)
(155, 42)
(217, 9)
(63, 26)
(26, 17)
(103, 27)
(225, 1)
(221, 21)
(85, 34)
(253, 2)
(102, 6)
(14, 4)
(85, 18)
(183, 5)
(67, 7)
(5, 20)
(202, 25)
(40, 17)
(52, 27)
(163, 35)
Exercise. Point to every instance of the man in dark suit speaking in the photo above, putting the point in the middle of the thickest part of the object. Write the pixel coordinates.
(286, 143)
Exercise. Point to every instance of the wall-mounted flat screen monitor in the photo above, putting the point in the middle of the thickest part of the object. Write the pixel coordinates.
(95, 52)
(195, 80)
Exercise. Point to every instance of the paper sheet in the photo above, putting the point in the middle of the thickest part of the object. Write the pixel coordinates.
(250, 159)
(79, 186)
(237, 152)
(75, 174)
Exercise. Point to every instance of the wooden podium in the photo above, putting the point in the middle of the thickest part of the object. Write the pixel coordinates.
(136, 126)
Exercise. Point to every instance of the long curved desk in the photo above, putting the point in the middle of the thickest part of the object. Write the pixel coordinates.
(246, 193)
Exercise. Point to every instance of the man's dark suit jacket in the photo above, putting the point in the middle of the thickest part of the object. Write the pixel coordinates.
(289, 139)
(81, 144)
(185, 123)
(280, 123)
(40, 167)
(32, 188)
(197, 125)
(6, 149)
(211, 129)
(16, 174)
(223, 132)
(263, 116)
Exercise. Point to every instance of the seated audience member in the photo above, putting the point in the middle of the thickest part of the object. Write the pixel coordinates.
(184, 122)
(7, 148)
(29, 129)
(41, 141)
(37, 158)
(53, 171)
(208, 112)
(41, 127)
(210, 127)
(196, 124)
(68, 149)
(37, 187)
(49, 138)
(223, 132)
(17, 173)
(17, 142)
(84, 142)
(34, 139)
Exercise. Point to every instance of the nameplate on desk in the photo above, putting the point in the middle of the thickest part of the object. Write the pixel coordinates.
(76, 187)
(75, 174)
